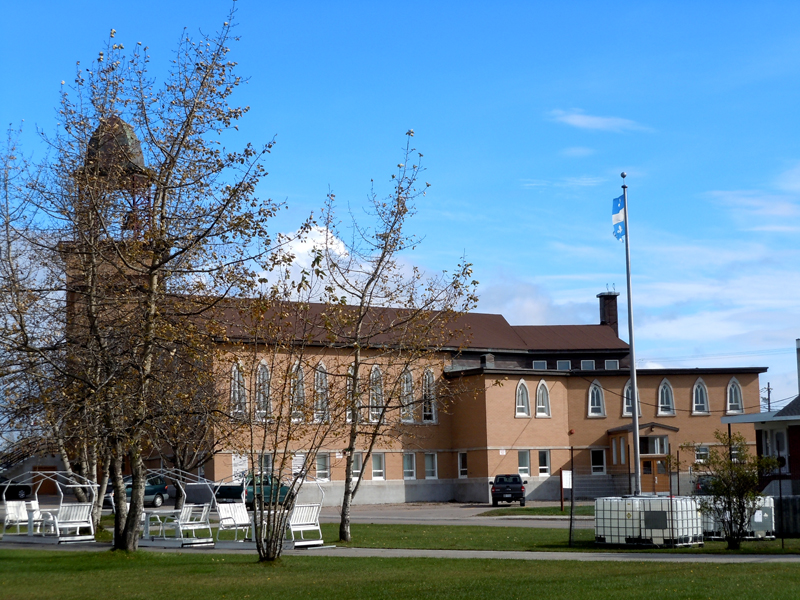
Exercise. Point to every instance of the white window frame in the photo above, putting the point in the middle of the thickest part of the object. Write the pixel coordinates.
(429, 412)
(324, 459)
(358, 464)
(522, 401)
(592, 454)
(298, 393)
(542, 401)
(587, 365)
(701, 454)
(628, 412)
(544, 470)
(560, 365)
(378, 466)
(540, 365)
(299, 465)
(612, 365)
(463, 469)
(434, 457)
(666, 386)
(407, 397)
(375, 394)
(263, 400)
(409, 473)
(321, 413)
(265, 463)
(734, 388)
(238, 392)
(600, 397)
(524, 463)
(700, 384)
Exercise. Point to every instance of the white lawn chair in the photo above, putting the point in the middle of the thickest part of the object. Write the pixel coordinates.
(304, 518)
(234, 516)
(75, 516)
(189, 521)
(16, 514)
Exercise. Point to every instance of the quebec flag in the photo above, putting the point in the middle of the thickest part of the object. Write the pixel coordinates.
(618, 217)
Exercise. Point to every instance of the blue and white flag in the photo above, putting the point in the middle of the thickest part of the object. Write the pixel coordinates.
(618, 217)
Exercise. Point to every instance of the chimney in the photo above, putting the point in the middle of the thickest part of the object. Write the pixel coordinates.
(608, 312)
(797, 343)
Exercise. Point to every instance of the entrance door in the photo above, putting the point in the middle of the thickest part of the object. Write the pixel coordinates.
(654, 474)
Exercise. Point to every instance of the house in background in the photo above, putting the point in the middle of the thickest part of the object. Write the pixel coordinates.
(537, 399)
(778, 435)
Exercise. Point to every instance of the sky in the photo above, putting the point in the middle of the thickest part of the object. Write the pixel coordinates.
(526, 113)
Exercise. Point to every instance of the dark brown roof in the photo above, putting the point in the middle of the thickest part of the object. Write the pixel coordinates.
(790, 410)
(569, 337)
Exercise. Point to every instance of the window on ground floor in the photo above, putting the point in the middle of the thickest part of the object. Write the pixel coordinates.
(524, 461)
(409, 472)
(430, 466)
(357, 464)
(462, 465)
(378, 466)
(613, 451)
(323, 466)
(544, 462)
(598, 462)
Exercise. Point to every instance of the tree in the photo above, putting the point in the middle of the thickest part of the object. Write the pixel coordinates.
(391, 320)
(732, 475)
(122, 242)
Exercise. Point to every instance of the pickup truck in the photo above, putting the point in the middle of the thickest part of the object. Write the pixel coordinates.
(508, 488)
(232, 492)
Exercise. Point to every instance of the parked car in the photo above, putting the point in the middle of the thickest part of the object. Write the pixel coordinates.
(155, 491)
(702, 485)
(13, 490)
(508, 488)
(232, 492)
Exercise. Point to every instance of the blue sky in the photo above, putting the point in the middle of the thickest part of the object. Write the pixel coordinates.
(526, 114)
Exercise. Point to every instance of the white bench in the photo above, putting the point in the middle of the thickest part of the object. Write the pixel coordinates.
(16, 514)
(233, 516)
(189, 521)
(75, 516)
(305, 517)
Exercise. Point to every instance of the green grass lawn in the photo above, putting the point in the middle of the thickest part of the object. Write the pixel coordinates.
(538, 511)
(35, 575)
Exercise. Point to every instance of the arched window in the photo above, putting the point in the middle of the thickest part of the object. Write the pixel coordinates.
(298, 393)
(407, 397)
(597, 403)
(320, 393)
(263, 404)
(353, 397)
(375, 394)
(700, 398)
(735, 404)
(666, 399)
(627, 405)
(542, 400)
(428, 397)
(523, 405)
(238, 392)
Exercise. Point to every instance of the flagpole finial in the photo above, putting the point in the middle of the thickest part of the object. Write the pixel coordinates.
(623, 174)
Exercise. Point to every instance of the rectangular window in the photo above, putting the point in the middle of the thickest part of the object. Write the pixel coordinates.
(409, 472)
(587, 365)
(563, 365)
(524, 461)
(540, 365)
(265, 464)
(613, 451)
(612, 365)
(323, 466)
(430, 466)
(700, 454)
(462, 465)
(654, 444)
(299, 468)
(544, 462)
(598, 462)
(357, 464)
(378, 466)
(622, 450)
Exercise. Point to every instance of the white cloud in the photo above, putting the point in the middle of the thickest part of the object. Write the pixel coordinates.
(577, 152)
(577, 118)
(789, 180)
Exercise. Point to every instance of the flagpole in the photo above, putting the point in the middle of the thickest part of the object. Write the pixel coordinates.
(637, 487)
